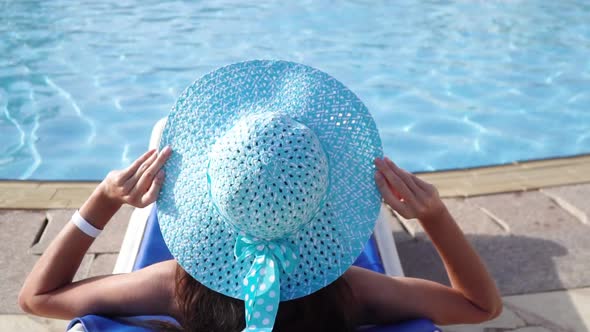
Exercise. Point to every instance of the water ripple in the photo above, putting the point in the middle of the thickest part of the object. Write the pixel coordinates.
(20, 130)
(450, 84)
(34, 152)
(31, 141)
(68, 97)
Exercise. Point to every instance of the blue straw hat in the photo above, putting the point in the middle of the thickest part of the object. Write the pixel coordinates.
(269, 192)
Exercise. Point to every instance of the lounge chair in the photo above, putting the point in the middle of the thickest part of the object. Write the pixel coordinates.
(143, 245)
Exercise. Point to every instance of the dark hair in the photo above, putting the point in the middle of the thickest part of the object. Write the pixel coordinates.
(204, 310)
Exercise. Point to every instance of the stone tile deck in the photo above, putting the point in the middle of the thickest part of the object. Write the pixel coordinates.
(108, 243)
(528, 221)
(24, 235)
(28, 323)
(560, 311)
(529, 243)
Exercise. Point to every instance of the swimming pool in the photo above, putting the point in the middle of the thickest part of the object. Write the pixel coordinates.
(451, 83)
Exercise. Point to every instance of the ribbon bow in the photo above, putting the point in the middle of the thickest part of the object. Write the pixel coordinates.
(262, 286)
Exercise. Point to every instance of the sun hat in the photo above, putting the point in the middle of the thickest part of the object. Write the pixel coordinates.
(269, 193)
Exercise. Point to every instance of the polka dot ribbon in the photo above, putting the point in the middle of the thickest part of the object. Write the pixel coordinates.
(262, 285)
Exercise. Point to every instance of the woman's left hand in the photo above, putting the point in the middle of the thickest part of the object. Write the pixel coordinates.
(410, 196)
(139, 184)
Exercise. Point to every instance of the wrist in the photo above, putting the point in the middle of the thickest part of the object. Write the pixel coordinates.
(100, 207)
(435, 215)
(85, 226)
(437, 225)
(106, 196)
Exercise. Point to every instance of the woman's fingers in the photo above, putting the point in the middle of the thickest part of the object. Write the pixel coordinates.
(395, 181)
(406, 177)
(426, 199)
(132, 169)
(389, 197)
(146, 179)
(154, 191)
(131, 183)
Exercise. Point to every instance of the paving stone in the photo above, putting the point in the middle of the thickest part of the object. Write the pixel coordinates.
(555, 311)
(103, 264)
(533, 329)
(507, 320)
(507, 257)
(22, 323)
(17, 232)
(464, 328)
(574, 199)
(109, 240)
(581, 300)
(419, 257)
(84, 268)
(32, 195)
(469, 217)
(542, 177)
(76, 196)
(18, 229)
(400, 234)
(408, 226)
(548, 249)
(420, 260)
(44, 195)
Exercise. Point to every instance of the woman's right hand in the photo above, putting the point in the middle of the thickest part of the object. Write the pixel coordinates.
(473, 296)
(410, 196)
(139, 184)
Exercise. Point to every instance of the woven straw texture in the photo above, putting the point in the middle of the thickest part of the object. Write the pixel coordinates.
(307, 177)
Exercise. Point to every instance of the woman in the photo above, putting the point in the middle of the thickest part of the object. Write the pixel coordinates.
(273, 163)
(49, 291)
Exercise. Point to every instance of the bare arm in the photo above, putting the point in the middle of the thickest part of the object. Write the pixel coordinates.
(49, 291)
(465, 270)
(473, 296)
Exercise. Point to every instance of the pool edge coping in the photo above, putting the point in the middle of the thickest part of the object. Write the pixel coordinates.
(518, 176)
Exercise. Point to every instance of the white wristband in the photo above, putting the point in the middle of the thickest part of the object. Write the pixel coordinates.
(85, 226)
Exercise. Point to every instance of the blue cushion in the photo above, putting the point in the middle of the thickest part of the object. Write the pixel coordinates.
(97, 323)
(414, 325)
(153, 250)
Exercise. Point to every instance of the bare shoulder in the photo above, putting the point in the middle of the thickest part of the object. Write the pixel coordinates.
(379, 297)
(384, 299)
(161, 271)
(150, 290)
(158, 283)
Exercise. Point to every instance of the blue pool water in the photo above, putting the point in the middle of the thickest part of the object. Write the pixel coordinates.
(450, 83)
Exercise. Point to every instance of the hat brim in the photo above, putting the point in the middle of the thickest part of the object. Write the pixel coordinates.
(201, 241)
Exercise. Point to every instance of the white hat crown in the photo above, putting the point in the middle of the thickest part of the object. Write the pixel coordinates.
(268, 175)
